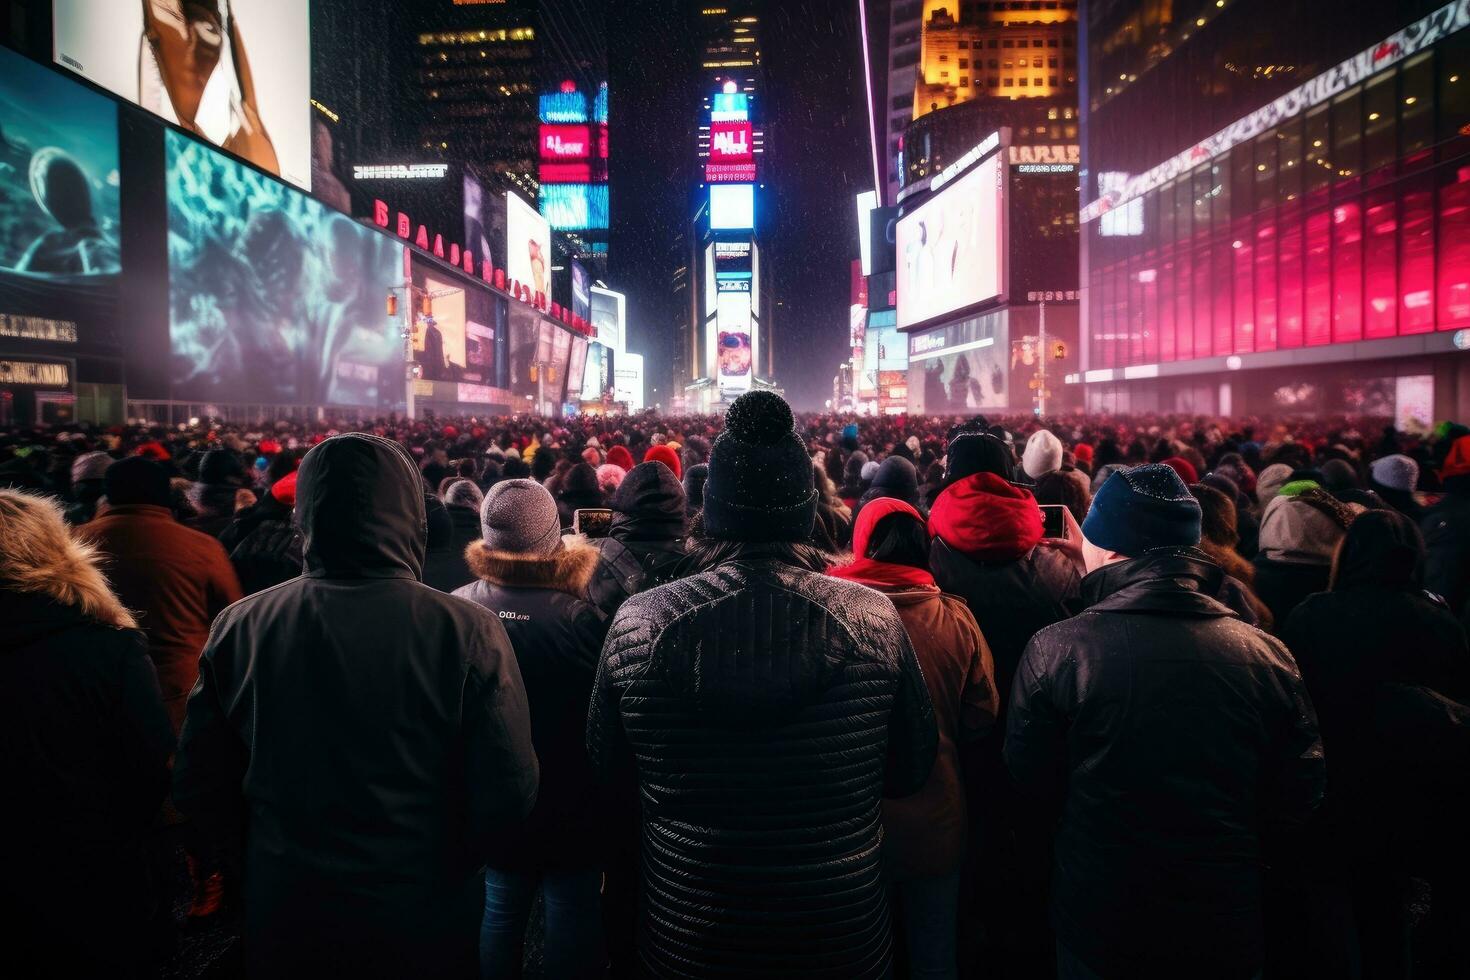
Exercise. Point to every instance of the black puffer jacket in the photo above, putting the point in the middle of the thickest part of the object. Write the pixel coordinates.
(1173, 736)
(557, 635)
(768, 710)
(265, 546)
(648, 521)
(372, 731)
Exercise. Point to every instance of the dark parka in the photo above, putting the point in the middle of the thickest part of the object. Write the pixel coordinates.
(1172, 736)
(84, 747)
(1446, 528)
(768, 709)
(648, 522)
(557, 635)
(372, 731)
(264, 545)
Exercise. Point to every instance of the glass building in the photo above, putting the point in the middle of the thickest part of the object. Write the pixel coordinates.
(1298, 238)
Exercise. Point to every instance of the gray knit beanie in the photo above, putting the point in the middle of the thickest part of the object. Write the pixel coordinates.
(463, 493)
(519, 516)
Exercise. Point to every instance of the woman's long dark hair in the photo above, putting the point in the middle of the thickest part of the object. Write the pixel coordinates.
(900, 539)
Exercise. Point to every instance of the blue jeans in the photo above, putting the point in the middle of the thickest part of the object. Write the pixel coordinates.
(572, 901)
(927, 909)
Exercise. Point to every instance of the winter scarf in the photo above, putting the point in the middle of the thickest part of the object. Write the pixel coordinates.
(987, 518)
(880, 574)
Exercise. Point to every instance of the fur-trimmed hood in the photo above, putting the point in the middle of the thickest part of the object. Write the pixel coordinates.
(39, 556)
(570, 570)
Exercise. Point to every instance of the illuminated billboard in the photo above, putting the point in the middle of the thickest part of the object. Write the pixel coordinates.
(527, 245)
(735, 343)
(866, 202)
(60, 251)
(732, 207)
(563, 142)
(731, 153)
(610, 317)
(440, 335)
(575, 207)
(188, 63)
(274, 298)
(628, 381)
(950, 249)
(596, 373)
(581, 291)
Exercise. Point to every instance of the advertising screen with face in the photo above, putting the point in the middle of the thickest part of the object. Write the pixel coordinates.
(59, 207)
(950, 248)
(274, 298)
(581, 291)
(236, 73)
(527, 246)
(735, 352)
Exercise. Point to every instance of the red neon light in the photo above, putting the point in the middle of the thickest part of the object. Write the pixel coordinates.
(566, 142)
(566, 173)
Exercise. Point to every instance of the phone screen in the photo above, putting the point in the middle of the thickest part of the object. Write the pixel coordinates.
(1053, 521)
(593, 523)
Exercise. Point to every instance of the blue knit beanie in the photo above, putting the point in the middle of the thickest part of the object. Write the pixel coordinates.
(1143, 508)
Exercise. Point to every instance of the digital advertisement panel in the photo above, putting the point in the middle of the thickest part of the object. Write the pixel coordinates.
(731, 153)
(609, 317)
(59, 207)
(732, 207)
(523, 341)
(950, 248)
(236, 73)
(581, 291)
(628, 381)
(959, 383)
(528, 245)
(595, 374)
(484, 223)
(736, 351)
(274, 298)
(439, 341)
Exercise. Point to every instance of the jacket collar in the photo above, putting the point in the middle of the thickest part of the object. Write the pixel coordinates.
(570, 570)
(153, 511)
(1180, 581)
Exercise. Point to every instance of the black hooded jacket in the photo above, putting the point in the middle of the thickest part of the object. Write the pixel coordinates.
(372, 732)
(768, 710)
(648, 522)
(1172, 736)
(898, 479)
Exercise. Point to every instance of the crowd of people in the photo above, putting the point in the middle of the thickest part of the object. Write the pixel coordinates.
(813, 696)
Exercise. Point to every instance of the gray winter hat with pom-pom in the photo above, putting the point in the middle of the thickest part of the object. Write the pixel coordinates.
(760, 484)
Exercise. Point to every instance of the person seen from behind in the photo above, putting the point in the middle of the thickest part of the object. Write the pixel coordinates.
(1172, 740)
(763, 709)
(368, 734)
(85, 762)
(925, 834)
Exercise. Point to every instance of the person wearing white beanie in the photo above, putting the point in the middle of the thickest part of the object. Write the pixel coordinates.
(1043, 454)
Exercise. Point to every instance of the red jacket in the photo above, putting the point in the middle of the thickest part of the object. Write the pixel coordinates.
(176, 580)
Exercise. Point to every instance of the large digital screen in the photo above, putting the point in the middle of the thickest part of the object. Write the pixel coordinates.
(440, 338)
(950, 249)
(731, 153)
(236, 73)
(575, 207)
(628, 381)
(274, 298)
(528, 245)
(581, 291)
(866, 202)
(524, 324)
(596, 375)
(59, 206)
(959, 383)
(732, 207)
(484, 222)
(735, 344)
(610, 317)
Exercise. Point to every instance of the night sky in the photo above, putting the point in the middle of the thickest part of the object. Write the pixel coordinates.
(817, 161)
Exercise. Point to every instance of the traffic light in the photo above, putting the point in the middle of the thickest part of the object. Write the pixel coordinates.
(392, 305)
(1059, 351)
